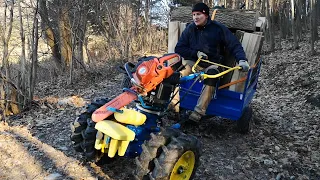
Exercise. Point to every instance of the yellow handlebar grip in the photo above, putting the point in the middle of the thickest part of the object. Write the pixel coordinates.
(205, 76)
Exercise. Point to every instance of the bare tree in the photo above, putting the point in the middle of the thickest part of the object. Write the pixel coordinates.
(22, 99)
(50, 28)
(280, 8)
(313, 25)
(293, 24)
(270, 16)
(317, 21)
(5, 84)
(298, 19)
(34, 43)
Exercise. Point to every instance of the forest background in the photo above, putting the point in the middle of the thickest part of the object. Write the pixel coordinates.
(56, 56)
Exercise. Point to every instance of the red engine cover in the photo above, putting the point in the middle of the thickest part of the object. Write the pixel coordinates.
(152, 72)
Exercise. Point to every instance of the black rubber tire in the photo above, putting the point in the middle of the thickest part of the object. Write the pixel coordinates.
(126, 82)
(153, 162)
(83, 133)
(244, 123)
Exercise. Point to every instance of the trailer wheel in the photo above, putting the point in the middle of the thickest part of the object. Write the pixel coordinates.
(244, 123)
(83, 133)
(170, 154)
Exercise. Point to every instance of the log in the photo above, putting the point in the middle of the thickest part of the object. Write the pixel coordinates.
(233, 19)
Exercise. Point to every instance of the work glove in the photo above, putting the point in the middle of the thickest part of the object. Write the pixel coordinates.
(204, 56)
(244, 65)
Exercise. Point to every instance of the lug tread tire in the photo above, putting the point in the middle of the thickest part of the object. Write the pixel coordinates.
(151, 150)
(158, 152)
(176, 149)
(83, 133)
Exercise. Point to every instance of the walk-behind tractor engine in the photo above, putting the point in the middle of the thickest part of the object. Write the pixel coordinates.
(108, 128)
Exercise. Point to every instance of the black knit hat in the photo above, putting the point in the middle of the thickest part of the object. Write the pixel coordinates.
(201, 7)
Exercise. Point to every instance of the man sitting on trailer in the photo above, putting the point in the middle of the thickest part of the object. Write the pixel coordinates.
(206, 38)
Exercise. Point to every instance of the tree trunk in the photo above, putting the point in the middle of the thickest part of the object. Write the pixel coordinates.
(50, 35)
(271, 31)
(268, 33)
(318, 12)
(316, 21)
(71, 67)
(254, 4)
(79, 27)
(280, 23)
(22, 74)
(293, 20)
(65, 37)
(147, 12)
(304, 15)
(34, 62)
(6, 35)
(234, 2)
(286, 20)
(263, 7)
(298, 19)
(313, 26)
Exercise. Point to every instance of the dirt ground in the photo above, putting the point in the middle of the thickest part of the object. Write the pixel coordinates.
(284, 142)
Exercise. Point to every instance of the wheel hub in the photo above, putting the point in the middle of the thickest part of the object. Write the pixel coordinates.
(180, 170)
(184, 167)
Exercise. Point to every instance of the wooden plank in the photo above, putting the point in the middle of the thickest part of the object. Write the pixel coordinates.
(248, 42)
(256, 49)
(173, 35)
(250, 48)
(252, 44)
(245, 41)
(182, 26)
(235, 75)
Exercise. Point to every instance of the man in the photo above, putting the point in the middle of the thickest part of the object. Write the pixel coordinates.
(206, 38)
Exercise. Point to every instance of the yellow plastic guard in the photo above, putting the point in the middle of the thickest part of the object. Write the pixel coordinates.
(120, 136)
(98, 143)
(130, 116)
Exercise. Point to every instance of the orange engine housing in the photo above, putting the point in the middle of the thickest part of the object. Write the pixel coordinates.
(151, 73)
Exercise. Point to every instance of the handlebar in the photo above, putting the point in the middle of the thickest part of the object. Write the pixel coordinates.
(205, 76)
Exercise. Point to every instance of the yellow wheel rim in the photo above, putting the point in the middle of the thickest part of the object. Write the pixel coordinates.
(184, 167)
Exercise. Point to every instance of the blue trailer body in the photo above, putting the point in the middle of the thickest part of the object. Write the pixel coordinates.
(227, 104)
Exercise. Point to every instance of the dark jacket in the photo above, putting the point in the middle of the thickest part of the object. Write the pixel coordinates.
(210, 39)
